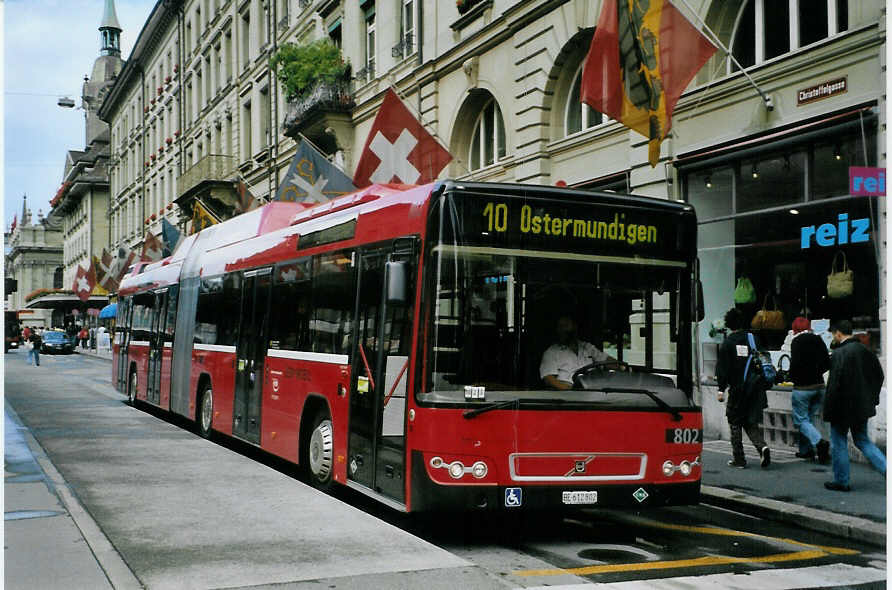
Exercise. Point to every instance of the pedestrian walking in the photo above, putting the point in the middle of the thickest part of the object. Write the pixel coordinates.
(853, 393)
(744, 407)
(36, 342)
(26, 334)
(809, 360)
(82, 336)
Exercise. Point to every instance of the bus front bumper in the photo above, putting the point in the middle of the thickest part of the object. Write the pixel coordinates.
(428, 495)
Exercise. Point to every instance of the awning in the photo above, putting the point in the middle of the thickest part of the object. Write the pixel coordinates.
(109, 311)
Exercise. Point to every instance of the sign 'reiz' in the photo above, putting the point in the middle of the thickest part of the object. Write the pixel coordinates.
(867, 182)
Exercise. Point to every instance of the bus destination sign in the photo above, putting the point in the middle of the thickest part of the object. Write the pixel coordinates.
(570, 226)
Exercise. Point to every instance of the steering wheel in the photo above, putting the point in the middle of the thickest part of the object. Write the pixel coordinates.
(595, 366)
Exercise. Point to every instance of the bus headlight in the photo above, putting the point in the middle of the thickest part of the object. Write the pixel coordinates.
(479, 469)
(456, 470)
(684, 468)
(668, 468)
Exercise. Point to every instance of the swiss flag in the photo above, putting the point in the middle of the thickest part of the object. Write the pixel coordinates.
(399, 149)
(152, 249)
(84, 281)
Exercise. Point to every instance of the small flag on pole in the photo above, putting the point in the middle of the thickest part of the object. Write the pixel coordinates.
(152, 249)
(642, 57)
(170, 237)
(312, 179)
(399, 148)
(84, 281)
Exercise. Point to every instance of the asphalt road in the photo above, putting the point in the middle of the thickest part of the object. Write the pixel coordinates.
(183, 512)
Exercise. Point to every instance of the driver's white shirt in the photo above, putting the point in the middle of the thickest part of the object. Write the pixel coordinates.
(560, 360)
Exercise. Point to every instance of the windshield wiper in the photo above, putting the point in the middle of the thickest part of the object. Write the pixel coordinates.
(468, 414)
(676, 415)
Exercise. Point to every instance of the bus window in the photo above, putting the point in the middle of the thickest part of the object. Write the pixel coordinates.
(230, 310)
(210, 302)
(332, 302)
(291, 307)
(143, 315)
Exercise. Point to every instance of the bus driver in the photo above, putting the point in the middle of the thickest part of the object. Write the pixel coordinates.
(568, 354)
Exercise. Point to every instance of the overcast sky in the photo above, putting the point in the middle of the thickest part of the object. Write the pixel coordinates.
(49, 46)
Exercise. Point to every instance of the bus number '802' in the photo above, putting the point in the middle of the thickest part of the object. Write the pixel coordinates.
(685, 436)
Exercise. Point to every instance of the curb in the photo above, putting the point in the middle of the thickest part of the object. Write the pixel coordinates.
(93, 356)
(814, 519)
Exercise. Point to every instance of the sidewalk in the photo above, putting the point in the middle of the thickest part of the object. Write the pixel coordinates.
(99, 354)
(43, 543)
(792, 490)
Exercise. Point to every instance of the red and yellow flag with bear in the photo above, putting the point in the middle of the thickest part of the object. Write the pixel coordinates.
(642, 57)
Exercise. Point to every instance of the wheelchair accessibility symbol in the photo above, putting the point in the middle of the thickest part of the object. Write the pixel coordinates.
(513, 497)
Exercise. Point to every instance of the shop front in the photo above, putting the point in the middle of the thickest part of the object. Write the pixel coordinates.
(777, 218)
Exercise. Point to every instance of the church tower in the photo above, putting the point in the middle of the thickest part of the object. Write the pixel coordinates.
(105, 69)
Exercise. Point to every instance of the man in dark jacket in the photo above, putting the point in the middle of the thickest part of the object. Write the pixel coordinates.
(744, 412)
(808, 363)
(853, 392)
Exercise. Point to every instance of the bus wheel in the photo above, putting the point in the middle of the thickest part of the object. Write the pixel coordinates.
(206, 411)
(319, 452)
(131, 388)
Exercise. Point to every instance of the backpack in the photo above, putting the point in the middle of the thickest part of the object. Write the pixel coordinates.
(763, 374)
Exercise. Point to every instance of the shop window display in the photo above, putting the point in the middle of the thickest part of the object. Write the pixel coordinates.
(778, 221)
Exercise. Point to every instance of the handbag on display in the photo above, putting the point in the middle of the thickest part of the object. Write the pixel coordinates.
(783, 375)
(840, 283)
(744, 292)
(768, 319)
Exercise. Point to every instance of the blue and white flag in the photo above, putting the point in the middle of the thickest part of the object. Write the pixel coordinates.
(170, 237)
(312, 179)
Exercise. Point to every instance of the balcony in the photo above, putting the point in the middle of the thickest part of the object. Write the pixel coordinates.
(403, 49)
(211, 168)
(325, 99)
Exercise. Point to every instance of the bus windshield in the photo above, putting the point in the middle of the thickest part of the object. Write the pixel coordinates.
(521, 323)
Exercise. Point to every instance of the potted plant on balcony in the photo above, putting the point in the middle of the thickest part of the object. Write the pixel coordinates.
(167, 79)
(168, 141)
(176, 133)
(300, 68)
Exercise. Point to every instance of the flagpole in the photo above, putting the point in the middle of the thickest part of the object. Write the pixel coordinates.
(427, 125)
(769, 103)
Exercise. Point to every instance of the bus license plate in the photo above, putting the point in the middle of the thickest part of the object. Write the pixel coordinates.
(580, 497)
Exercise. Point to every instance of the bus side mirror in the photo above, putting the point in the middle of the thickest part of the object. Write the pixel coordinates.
(397, 289)
(701, 310)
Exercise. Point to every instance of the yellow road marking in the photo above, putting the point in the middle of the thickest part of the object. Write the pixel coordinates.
(703, 530)
(679, 563)
(813, 552)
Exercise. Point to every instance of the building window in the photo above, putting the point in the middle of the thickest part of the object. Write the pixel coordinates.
(488, 142)
(265, 134)
(245, 39)
(57, 278)
(369, 69)
(406, 43)
(247, 150)
(770, 28)
(580, 116)
(334, 32)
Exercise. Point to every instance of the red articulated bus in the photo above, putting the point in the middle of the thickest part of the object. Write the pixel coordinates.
(456, 345)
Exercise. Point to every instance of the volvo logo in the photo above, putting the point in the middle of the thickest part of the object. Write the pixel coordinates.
(580, 467)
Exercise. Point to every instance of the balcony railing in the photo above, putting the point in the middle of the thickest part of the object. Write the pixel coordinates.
(403, 49)
(303, 4)
(326, 96)
(283, 23)
(210, 167)
(366, 74)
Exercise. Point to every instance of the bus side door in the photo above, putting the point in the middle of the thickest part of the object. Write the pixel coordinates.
(377, 441)
(250, 353)
(156, 345)
(122, 338)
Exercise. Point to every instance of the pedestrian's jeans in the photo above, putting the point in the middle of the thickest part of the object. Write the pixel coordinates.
(753, 431)
(806, 403)
(840, 450)
(36, 353)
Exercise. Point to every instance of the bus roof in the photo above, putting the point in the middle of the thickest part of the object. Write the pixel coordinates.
(270, 233)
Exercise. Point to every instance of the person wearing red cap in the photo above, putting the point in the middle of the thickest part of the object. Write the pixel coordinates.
(809, 360)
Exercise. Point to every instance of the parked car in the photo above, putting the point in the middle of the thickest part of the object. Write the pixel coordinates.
(57, 342)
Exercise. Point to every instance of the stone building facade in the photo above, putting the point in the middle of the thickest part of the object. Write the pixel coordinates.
(498, 84)
(34, 260)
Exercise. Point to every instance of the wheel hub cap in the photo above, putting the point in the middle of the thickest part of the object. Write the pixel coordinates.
(321, 450)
